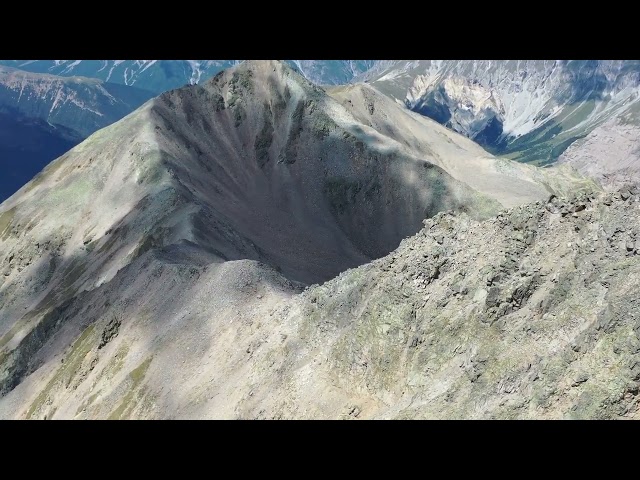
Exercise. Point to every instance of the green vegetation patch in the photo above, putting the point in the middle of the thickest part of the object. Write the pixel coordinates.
(546, 143)
(322, 124)
(145, 245)
(19, 325)
(119, 233)
(6, 219)
(559, 149)
(115, 363)
(134, 394)
(138, 373)
(73, 272)
(66, 373)
(75, 192)
(151, 169)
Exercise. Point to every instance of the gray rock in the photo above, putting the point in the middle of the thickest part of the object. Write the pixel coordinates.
(110, 332)
(494, 297)
(551, 208)
(578, 207)
(580, 379)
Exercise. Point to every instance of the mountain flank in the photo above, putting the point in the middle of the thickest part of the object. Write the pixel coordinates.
(224, 252)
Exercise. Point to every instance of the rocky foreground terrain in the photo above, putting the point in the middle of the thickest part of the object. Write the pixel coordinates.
(234, 254)
(531, 314)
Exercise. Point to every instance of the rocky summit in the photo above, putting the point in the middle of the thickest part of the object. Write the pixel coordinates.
(258, 247)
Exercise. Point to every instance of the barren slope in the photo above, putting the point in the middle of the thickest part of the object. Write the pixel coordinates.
(532, 314)
(176, 230)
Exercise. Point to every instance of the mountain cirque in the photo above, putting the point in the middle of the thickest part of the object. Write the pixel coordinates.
(175, 279)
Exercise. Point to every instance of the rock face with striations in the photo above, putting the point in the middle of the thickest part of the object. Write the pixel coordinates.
(531, 314)
(580, 112)
(168, 283)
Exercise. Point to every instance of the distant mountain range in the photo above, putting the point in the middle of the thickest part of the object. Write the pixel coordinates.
(42, 116)
(161, 75)
(530, 111)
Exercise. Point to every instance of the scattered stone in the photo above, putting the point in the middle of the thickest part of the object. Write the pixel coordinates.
(493, 297)
(580, 379)
(354, 411)
(579, 207)
(551, 208)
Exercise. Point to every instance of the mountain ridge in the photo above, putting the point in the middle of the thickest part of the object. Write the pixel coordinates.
(162, 75)
(43, 116)
(48, 96)
(216, 203)
(530, 111)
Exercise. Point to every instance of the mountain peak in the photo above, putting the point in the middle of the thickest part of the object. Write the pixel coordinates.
(224, 199)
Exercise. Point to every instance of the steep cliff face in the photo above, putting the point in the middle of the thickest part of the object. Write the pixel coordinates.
(529, 110)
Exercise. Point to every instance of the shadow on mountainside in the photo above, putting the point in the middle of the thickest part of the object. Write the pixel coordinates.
(258, 186)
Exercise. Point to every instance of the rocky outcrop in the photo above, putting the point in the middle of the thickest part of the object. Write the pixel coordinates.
(532, 314)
